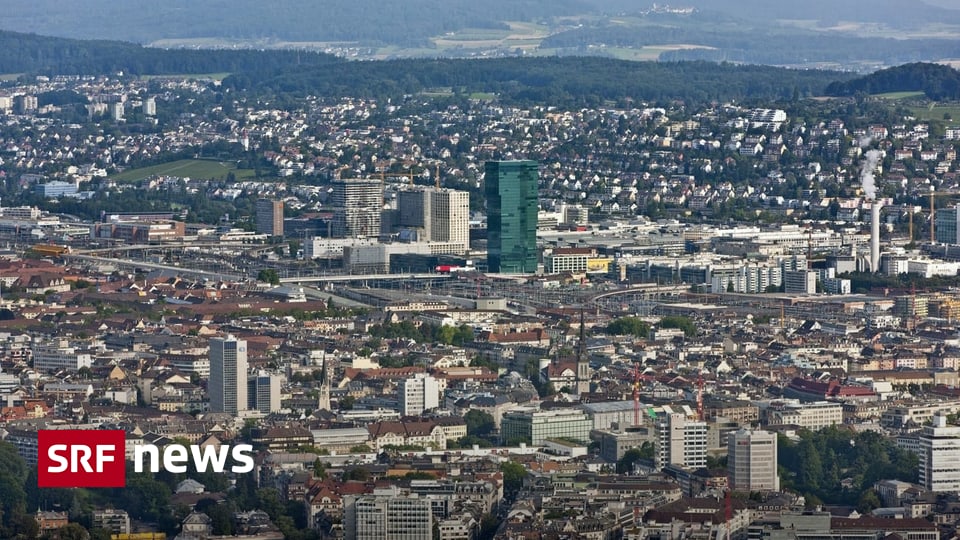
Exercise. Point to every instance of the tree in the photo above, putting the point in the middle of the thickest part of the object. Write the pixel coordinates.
(513, 476)
(479, 423)
(357, 473)
(73, 531)
(630, 457)
(269, 275)
(13, 498)
(679, 322)
(628, 326)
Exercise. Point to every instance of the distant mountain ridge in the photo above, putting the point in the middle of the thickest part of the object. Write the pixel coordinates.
(936, 81)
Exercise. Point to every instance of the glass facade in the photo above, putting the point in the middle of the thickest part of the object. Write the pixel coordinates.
(511, 190)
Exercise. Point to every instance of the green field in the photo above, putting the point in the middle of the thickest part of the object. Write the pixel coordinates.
(194, 76)
(938, 112)
(185, 168)
(898, 95)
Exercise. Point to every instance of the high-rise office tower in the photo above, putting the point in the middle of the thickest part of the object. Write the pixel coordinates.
(438, 215)
(450, 217)
(680, 441)
(270, 217)
(752, 460)
(263, 392)
(940, 456)
(228, 375)
(511, 190)
(417, 394)
(357, 204)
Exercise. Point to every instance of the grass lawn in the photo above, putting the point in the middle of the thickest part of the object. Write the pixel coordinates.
(197, 76)
(898, 95)
(185, 168)
(937, 112)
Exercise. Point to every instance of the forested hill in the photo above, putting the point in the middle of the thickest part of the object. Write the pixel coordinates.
(937, 81)
(553, 80)
(407, 23)
(30, 53)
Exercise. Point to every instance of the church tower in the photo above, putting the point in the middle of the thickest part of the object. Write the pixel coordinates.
(323, 402)
(583, 360)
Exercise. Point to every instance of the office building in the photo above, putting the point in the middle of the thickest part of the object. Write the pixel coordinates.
(947, 230)
(116, 111)
(228, 375)
(680, 441)
(511, 190)
(534, 427)
(357, 204)
(150, 107)
(270, 217)
(263, 392)
(59, 355)
(56, 188)
(752, 461)
(940, 456)
(436, 215)
(417, 394)
(812, 416)
(800, 282)
(450, 217)
(387, 514)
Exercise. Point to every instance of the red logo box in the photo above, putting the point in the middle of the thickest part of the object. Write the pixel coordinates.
(81, 458)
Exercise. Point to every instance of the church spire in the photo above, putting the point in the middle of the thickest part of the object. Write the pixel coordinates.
(583, 361)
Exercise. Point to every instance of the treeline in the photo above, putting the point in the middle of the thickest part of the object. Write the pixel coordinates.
(936, 81)
(42, 55)
(563, 81)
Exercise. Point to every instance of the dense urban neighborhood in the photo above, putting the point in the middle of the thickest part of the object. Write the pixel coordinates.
(448, 316)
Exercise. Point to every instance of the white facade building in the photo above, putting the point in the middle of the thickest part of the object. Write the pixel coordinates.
(940, 456)
(417, 394)
(752, 461)
(680, 441)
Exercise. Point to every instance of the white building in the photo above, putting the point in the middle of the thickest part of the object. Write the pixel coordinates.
(417, 394)
(228, 375)
(752, 461)
(940, 456)
(387, 514)
(812, 416)
(59, 355)
(150, 107)
(680, 441)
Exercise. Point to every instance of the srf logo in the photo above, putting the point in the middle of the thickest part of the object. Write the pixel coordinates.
(81, 458)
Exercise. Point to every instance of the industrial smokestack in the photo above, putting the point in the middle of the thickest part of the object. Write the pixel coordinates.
(875, 236)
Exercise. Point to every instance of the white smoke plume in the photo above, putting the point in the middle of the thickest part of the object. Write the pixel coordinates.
(866, 174)
(864, 141)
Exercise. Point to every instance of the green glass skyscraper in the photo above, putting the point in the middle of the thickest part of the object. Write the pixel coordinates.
(511, 190)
